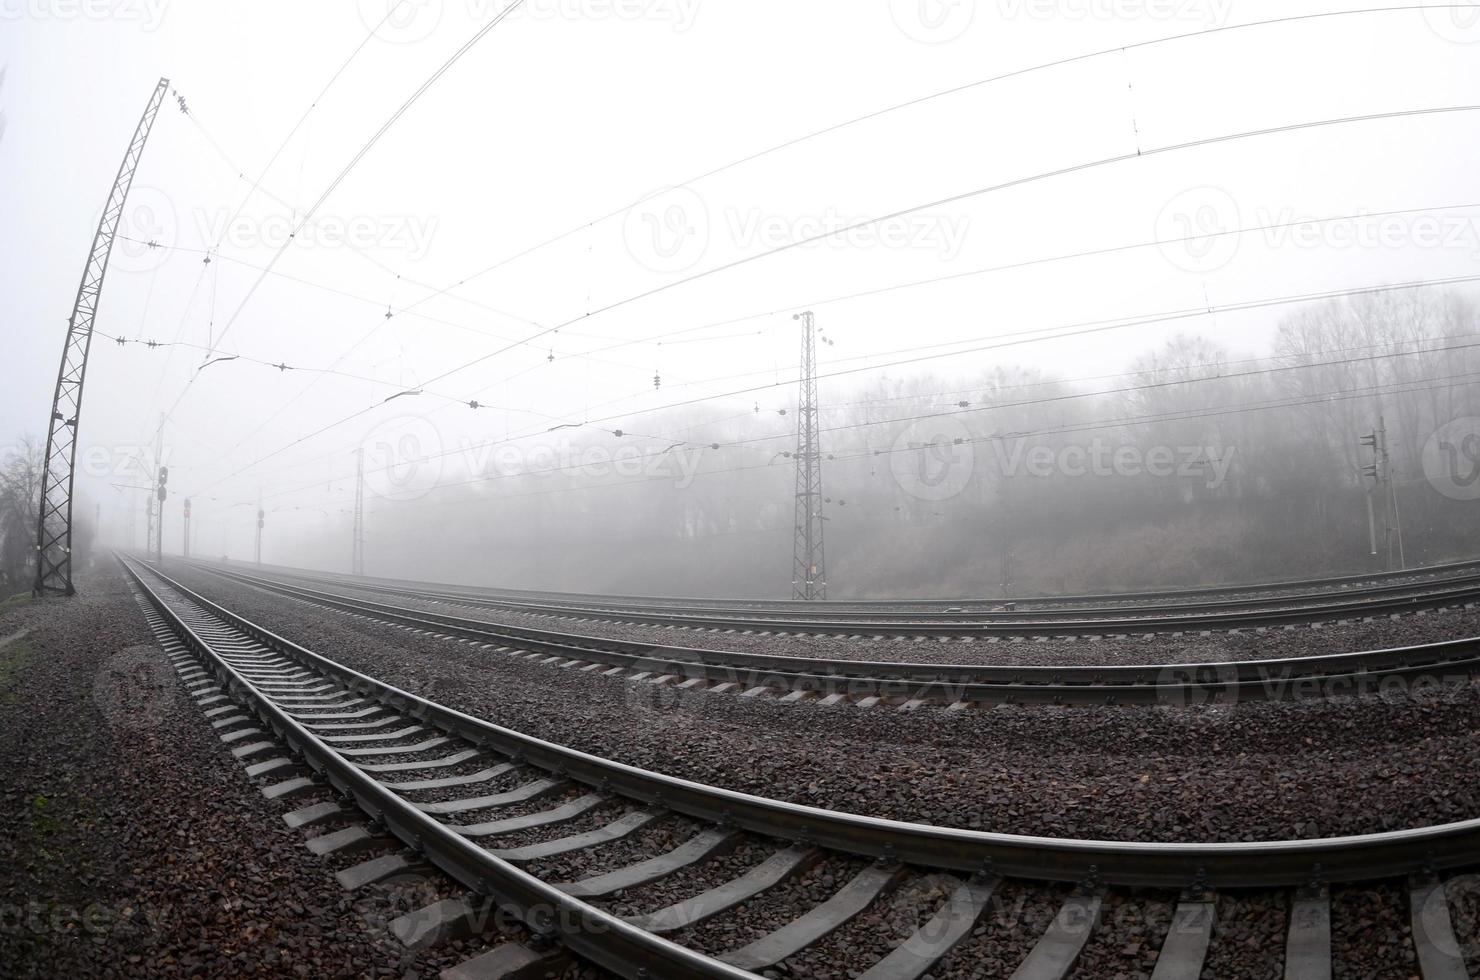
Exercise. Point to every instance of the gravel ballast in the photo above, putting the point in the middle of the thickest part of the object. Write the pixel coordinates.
(1279, 770)
(133, 844)
(1274, 770)
(1114, 646)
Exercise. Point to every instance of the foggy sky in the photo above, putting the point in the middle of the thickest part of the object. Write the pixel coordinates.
(567, 112)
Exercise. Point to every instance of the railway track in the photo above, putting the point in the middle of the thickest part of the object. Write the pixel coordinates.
(913, 685)
(1392, 598)
(1365, 583)
(425, 785)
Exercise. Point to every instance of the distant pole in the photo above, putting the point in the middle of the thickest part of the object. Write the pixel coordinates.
(156, 512)
(1396, 531)
(261, 519)
(185, 542)
(130, 519)
(149, 527)
(1378, 472)
(1006, 524)
(1371, 525)
(809, 569)
(160, 493)
(357, 562)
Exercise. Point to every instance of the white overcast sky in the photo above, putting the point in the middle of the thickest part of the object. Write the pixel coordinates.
(571, 110)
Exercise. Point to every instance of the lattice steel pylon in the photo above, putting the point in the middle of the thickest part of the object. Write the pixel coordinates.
(357, 563)
(54, 522)
(808, 568)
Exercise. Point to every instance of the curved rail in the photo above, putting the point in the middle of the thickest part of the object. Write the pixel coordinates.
(271, 676)
(1291, 589)
(1240, 864)
(1244, 613)
(1365, 672)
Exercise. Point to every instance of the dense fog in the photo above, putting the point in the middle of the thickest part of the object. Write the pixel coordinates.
(1182, 466)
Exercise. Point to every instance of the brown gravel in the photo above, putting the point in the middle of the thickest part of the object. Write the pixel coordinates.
(1313, 768)
(1249, 940)
(772, 908)
(1019, 915)
(1192, 646)
(131, 843)
(1370, 935)
(214, 884)
(1463, 894)
(693, 880)
(878, 929)
(1132, 927)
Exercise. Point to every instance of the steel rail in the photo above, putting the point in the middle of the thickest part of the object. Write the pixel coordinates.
(1294, 589)
(605, 939)
(1062, 622)
(1257, 864)
(1323, 675)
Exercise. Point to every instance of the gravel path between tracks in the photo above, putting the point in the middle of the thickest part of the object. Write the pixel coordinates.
(1192, 646)
(131, 843)
(1370, 933)
(1244, 772)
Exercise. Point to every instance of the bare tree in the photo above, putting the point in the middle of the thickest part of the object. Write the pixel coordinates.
(20, 489)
